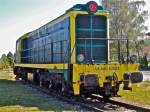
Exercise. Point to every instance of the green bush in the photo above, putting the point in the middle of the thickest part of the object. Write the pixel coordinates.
(149, 64)
(144, 61)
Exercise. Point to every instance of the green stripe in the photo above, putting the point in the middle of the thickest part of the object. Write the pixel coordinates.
(88, 45)
(87, 29)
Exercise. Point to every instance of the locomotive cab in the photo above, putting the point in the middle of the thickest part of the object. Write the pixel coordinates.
(92, 54)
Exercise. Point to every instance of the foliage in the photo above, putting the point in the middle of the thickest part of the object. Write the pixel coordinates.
(144, 61)
(4, 61)
(10, 58)
(127, 20)
(7, 60)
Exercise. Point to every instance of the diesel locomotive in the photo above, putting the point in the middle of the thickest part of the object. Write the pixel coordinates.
(71, 54)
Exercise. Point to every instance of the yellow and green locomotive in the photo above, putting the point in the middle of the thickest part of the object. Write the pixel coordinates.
(71, 54)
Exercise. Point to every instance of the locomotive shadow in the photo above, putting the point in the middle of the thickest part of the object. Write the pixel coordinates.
(18, 96)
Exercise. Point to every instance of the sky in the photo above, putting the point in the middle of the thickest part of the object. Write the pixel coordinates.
(18, 17)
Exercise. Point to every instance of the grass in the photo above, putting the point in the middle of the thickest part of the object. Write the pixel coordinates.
(140, 94)
(1, 66)
(15, 97)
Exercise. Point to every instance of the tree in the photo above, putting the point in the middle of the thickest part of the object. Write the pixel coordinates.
(127, 19)
(5, 62)
(10, 58)
(144, 61)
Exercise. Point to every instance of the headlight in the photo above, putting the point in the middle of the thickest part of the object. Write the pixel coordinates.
(80, 57)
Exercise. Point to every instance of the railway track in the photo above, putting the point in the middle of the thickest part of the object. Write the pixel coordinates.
(130, 106)
(92, 103)
(124, 104)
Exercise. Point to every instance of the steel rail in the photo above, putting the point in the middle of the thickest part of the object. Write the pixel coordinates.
(123, 104)
(83, 102)
(65, 99)
(129, 106)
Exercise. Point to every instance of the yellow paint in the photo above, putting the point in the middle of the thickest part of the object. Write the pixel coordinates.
(44, 66)
(103, 13)
(57, 20)
(76, 80)
(101, 70)
(76, 76)
(77, 69)
(73, 15)
(72, 36)
(27, 35)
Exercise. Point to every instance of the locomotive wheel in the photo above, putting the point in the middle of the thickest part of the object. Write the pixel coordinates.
(36, 78)
(64, 88)
(46, 84)
(116, 88)
(25, 77)
(42, 82)
(50, 85)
